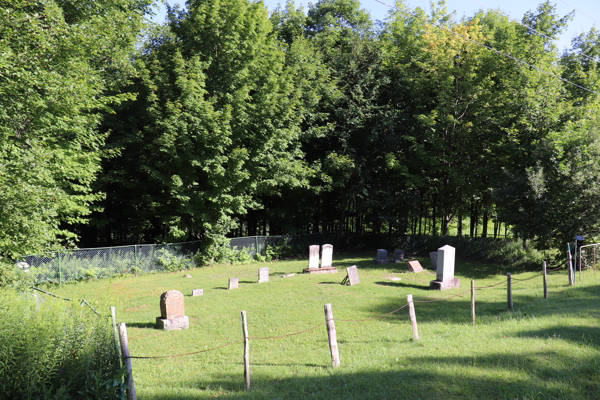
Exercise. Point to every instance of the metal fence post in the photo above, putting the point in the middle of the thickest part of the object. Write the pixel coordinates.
(256, 246)
(59, 270)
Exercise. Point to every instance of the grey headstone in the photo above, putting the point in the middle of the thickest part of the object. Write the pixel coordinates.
(313, 256)
(197, 292)
(263, 275)
(399, 255)
(327, 257)
(233, 283)
(353, 277)
(445, 264)
(382, 256)
(434, 257)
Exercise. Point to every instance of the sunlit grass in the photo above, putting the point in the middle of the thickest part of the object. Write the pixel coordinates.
(544, 349)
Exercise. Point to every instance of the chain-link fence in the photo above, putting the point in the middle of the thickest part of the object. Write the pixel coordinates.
(143, 258)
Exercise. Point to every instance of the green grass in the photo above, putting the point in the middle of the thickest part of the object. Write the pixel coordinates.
(544, 349)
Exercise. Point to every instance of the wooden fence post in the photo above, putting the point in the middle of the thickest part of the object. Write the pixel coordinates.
(331, 334)
(247, 371)
(113, 312)
(570, 265)
(509, 290)
(413, 317)
(545, 280)
(473, 301)
(131, 395)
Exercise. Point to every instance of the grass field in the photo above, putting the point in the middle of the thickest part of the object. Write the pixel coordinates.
(544, 349)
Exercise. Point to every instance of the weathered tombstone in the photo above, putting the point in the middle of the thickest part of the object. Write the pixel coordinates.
(399, 255)
(233, 283)
(445, 270)
(313, 256)
(353, 277)
(263, 275)
(172, 315)
(327, 256)
(434, 257)
(382, 256)
(197, 292)
(415, 266)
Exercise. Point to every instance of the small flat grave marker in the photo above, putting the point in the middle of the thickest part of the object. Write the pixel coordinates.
(415, 266)
(197, 292)
(233, 283)
(382, 256)
(399, 255)
(327, 257)
(263, 275)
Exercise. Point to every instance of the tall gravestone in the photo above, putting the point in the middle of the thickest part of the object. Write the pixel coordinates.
(445, 270)
(263, 275)
(327, 256)
(433, 255)
(233, 283)
(313, 256)
(353, 277)
(398, 256)
(172, 313)
(382, 256)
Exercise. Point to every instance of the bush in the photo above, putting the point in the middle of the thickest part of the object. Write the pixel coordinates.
(61, 351)
(170, 262)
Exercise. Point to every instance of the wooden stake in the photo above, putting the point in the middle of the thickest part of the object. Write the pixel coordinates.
(509, 290)
(247, 371)
(413, 317)
(545, 280)
(473, 301)
(113, 312)
(331, 334)
(570, 264)
(131, 395)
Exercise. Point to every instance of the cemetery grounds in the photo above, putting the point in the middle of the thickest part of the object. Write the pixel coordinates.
(543, 349)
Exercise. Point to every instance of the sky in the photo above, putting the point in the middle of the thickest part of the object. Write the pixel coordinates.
(587, 12)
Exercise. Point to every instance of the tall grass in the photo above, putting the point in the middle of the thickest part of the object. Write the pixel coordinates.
(54, 349)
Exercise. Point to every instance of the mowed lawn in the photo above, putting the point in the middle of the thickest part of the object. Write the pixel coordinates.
(544, 349)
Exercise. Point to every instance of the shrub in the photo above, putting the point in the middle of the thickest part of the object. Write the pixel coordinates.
(61, 351)
(170, 262)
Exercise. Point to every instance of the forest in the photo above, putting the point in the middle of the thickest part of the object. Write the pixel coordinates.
(228, 120)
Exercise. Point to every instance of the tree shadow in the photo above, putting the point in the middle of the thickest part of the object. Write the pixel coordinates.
(401, 284)
(141, 325)
(585, 335)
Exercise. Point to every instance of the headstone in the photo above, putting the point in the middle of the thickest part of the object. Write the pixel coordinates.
(263, 275)
(287, 275)
(399, 255)
(172, 315)
(233, 283)
(445, 269)
(382, 256)
(415, 266)
(327, 256)
(434, 257)
(187, 276)
(197, 292)
(353, 277)
(313, 256)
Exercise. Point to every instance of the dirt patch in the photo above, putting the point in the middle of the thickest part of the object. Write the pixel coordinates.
(137, 308)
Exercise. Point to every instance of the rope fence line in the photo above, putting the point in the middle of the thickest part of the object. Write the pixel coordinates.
(446, 298)
(372, 318)
(186, 354)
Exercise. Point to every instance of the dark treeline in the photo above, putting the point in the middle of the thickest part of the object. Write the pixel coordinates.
(228, 121)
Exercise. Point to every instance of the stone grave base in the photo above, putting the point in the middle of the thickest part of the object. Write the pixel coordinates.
(443, 285)
(324, 270)
(171, 324)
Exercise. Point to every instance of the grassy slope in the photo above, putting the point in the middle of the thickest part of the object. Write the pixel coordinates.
(545, 349)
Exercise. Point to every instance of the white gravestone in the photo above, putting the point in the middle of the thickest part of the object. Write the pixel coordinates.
(382, 256)
(313, 256)
(353, 277)
(263, 275)
(445, 269)
(327, 257)
(233, 283)
(197, 292)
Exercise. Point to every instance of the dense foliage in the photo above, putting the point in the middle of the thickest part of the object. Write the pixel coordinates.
(227, 120)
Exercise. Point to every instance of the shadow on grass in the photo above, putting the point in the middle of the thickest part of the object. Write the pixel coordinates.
(400, 284)
(541, 376)
(142, 325)
(584, 335)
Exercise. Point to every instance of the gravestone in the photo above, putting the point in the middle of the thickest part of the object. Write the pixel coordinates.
(233, 283)
(263, 275)
(313, 256)
(197, 292)
(434, 257)
(445, 270)
(399, 255)
(353, 278)
(172, 315)
(327, 256)
(382, 256)
(415, 266)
